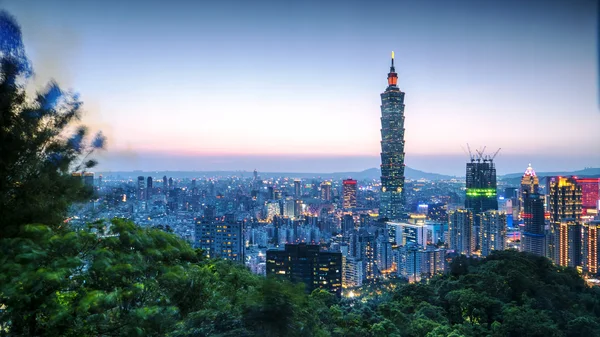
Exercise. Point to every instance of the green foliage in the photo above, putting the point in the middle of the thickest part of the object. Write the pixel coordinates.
(38, 153)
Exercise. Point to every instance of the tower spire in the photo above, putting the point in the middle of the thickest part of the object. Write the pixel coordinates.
(392, 76)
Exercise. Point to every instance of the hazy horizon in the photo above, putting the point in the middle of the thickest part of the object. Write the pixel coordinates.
(453, 165)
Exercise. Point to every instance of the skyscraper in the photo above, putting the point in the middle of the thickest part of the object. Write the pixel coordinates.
(564, 198)
(564, 205)
(165, 184)
(349, 193)
(529, 184)
(481, 186)
(533, 235)
(392, 148)
(149, 188)
(141, 186)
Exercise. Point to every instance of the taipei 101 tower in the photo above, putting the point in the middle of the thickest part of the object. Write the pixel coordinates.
(392, 149)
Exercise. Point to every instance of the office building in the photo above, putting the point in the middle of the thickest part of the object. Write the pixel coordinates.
(492, 231)
(349, 193)
(529, 182)
(392, 149)
(533, 238)
(564, 198)
(461, 233)
(302, 263)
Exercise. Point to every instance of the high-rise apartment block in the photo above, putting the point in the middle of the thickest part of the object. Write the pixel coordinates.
(461, 232)
(492, 231)
(223, 240)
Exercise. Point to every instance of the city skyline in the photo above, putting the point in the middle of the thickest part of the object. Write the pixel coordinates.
(472, 79)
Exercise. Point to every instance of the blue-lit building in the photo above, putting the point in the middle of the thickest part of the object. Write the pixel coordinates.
(392, 149)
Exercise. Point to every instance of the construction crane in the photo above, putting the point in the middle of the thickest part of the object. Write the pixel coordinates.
(495, 154)
(480, 155)
(470, 153)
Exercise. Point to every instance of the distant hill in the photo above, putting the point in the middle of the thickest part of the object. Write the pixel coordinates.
(587, 172)
(590, 172)
(372, 173)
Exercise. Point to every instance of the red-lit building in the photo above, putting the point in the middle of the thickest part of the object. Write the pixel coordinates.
(590, 188)
(349, 193)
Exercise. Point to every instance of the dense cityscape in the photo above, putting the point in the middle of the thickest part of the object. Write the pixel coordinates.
(338, 234)
(221, 181)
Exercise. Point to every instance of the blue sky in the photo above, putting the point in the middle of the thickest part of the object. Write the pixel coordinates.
(295, 84)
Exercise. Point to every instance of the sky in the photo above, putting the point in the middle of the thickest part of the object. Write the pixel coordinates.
(294, 85)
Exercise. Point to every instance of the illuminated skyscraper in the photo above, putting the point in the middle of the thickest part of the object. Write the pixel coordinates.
(481, 186)
(564, 199)
(530, 181)
(529, 184)
(392, 148)
(349, 192)
(564, 205)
